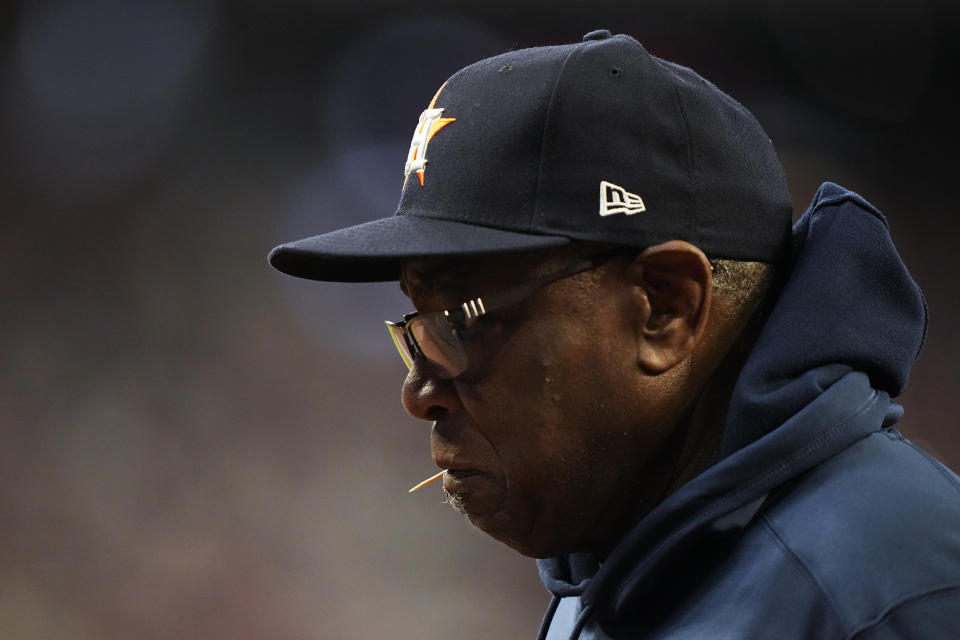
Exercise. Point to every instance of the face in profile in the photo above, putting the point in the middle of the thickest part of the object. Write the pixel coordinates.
(548, 435)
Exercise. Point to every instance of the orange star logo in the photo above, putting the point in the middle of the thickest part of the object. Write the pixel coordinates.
(428, 126)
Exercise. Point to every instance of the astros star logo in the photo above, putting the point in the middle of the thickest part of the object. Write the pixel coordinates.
(430, 123)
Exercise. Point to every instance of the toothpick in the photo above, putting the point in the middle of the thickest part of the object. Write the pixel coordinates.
(428, 481)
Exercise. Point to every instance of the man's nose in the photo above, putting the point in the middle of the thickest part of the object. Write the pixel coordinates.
(427, 395)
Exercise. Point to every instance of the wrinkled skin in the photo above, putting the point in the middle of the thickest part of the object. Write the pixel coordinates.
(570, 422)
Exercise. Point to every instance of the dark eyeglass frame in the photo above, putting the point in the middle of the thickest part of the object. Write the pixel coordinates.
(444, 348)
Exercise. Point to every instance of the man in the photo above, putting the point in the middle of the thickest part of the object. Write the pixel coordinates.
(638, 374)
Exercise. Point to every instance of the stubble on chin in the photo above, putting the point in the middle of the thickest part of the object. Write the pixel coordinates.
(455, 500)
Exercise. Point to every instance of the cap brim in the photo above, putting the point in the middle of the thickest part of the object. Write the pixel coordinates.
(374, 251)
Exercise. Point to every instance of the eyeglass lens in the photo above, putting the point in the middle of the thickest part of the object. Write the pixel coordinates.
(431, 334)
(438, 341)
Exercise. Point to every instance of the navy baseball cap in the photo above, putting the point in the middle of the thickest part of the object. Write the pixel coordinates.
(596, 141)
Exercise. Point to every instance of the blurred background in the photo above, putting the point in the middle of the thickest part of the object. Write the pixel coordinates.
(195, 446)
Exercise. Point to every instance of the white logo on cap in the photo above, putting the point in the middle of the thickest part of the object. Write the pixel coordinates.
(615, 199)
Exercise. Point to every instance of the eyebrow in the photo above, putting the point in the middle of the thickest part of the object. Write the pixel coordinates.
(436, 277)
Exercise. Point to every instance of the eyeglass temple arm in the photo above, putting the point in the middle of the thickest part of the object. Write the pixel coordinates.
(473, 309)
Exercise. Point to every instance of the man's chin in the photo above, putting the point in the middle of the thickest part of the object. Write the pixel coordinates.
(486, 512)
(477, 495)
(479, 507)
(455, 500)
(493, 522)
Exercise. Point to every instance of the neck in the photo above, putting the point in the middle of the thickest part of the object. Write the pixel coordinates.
(705, 423)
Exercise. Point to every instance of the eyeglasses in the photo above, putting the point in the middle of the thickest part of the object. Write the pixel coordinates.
(435, 335)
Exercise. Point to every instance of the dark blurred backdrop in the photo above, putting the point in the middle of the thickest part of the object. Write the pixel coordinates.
(195, 446)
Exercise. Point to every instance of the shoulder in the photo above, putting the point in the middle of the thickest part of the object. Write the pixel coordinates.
(880, 493)
(863, 544)
(875, 529)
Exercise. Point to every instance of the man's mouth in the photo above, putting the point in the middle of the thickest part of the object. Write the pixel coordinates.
(461, 474)
(458, 481)
(453, 461)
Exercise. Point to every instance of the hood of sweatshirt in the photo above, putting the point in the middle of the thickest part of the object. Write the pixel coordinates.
(838, 344)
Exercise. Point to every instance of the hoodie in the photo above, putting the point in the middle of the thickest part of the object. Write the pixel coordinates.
(819, 520)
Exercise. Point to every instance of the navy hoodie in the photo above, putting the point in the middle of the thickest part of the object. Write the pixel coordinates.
(819, 520)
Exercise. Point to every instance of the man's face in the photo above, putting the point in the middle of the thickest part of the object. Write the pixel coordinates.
(553, 436)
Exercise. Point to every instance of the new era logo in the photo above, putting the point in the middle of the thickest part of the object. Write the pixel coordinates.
(614, 199)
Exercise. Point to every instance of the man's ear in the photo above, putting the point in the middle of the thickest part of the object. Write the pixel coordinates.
(674, 287)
